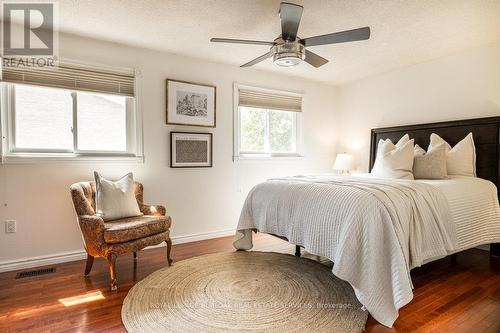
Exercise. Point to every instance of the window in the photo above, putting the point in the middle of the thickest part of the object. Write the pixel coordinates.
(267, 123)
(59, 120)
(102, 122)
(43, 118)
(267, 131)
(45, 121)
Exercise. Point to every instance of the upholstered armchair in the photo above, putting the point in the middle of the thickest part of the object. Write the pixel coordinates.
(110, 238)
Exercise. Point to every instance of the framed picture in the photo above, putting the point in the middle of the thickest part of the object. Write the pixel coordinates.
(190, 150)
(190, 104)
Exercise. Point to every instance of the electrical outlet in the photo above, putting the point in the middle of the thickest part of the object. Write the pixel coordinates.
(10, 226)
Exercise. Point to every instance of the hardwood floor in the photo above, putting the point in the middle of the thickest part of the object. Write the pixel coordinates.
(464, 297)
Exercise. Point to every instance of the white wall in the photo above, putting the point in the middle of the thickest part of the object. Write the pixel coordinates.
(203, 201)
(460, 86)
(199, 200)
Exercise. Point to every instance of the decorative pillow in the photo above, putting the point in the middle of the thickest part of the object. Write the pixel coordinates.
(461, 159)
(116, 199)
(430, 165)
(404, 139)
(394, 161)
(418, 151)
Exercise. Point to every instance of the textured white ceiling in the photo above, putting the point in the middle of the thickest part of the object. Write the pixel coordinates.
(404, 32)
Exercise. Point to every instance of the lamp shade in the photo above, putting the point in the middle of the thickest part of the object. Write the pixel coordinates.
(343, 162)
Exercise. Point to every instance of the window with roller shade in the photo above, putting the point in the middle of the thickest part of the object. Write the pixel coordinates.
(70, 110)
(267, 123)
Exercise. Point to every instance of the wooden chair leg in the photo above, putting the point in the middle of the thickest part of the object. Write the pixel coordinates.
(169, 249)
(112, 271)
(135, 255)
(88, 267)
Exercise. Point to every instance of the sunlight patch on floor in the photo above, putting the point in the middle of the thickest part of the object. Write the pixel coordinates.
(80, 299)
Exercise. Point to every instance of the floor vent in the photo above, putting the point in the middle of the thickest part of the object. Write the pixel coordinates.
(36, 272)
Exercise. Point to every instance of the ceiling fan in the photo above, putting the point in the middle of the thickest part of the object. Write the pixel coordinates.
(289, 50)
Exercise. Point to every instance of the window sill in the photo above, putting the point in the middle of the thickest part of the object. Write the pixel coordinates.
(32, 158)
(257, 157)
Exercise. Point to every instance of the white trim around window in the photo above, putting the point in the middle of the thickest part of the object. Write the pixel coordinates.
(238, 154)
(12, 155)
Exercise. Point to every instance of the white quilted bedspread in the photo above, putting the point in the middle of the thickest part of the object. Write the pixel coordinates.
(373, 230)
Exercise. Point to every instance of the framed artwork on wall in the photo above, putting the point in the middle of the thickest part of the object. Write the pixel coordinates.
(190, 104)
(190, 150)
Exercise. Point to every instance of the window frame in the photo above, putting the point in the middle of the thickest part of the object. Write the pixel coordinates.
(238, 154)
(12, 154)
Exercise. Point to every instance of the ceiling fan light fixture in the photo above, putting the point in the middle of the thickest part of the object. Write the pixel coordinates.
(288, 54)
(287, 61)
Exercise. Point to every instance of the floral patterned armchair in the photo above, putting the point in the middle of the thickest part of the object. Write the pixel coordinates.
(109, 238)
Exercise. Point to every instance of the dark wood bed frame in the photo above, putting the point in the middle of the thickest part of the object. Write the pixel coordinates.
(486, 132)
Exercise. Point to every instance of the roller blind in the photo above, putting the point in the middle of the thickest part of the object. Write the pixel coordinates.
(267, 100)
(73, 77)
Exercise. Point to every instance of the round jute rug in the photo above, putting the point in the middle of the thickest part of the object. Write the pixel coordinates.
(243, 292)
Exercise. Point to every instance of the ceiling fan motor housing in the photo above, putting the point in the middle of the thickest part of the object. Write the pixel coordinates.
(286, 53)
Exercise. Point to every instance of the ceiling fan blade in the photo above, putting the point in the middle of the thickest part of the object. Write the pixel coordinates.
(257, 60)
(290, 15)
(240, 41)
(338, 37)
(314, 59)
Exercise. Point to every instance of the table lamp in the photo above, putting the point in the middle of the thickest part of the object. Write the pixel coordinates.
(344, 163)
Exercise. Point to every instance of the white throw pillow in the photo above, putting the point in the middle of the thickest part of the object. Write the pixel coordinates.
(461, 159)
(430, 165)
(394, 160)
(418, 151)
(404, 139)
(116, 199)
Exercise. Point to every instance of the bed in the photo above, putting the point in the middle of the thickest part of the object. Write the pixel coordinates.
(376, 231)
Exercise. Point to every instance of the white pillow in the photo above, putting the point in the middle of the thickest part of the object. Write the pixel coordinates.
(461, 159)
(394, 161)
(418, 151)
(404, 139)
(116, 199)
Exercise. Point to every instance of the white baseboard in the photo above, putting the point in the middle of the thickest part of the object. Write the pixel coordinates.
(14, 265)
(59, 258)
(202, 236)
(197, 237)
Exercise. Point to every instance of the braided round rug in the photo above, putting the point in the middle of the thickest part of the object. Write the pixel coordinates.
(243, 292)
